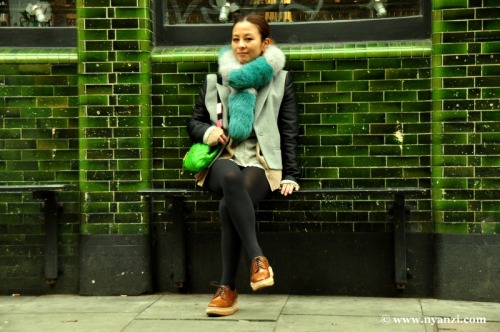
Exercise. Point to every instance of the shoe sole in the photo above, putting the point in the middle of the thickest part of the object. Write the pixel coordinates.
(263, 283)
(214, 311)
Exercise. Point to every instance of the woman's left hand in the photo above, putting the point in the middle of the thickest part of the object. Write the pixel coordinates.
(288, 188)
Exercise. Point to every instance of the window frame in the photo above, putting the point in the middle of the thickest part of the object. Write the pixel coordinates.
(378, 29)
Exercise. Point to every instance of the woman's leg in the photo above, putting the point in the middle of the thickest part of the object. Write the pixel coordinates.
(241, 190)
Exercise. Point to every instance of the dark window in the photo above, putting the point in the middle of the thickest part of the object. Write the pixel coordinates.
(29, 23)
(195, 22)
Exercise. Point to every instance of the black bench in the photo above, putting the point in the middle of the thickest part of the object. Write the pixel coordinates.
(175, 202)
(47, 192)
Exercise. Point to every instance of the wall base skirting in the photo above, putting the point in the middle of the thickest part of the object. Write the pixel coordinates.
(445, 266)
(467, 267)
(442, 266)
(115, 265)
(351, 264)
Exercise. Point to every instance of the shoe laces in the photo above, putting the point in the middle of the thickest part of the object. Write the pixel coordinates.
(221, 290)
(258, 265)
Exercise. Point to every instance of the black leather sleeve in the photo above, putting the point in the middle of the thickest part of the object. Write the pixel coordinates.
(200, 119)
(288, 123)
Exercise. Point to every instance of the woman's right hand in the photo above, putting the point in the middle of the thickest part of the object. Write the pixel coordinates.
(223, 139)
(216, 136)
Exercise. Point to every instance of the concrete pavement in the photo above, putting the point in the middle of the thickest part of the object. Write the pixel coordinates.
(258, 312)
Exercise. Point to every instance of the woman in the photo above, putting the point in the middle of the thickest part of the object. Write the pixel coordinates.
(259, 136)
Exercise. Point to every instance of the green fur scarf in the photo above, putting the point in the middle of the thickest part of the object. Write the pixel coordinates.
(245, 80)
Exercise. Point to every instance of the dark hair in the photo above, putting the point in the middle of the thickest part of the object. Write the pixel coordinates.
(259, 21)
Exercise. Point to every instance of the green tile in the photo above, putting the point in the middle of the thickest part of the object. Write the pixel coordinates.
(96, 56)
(450, 26)
(459, 48)
(338, 162)
(8, 69)
(384, 85)
(367, 97)
(128, 46)
(352, 86)
(20, 80)
(354, 172)
(457, 71)
(493, 25)
(410, 73)
(491, 47)
(52, 80)
(11, 176)
(97, 24)
(337, 75)
(319, 65)
(94, 100)
(385, 107)
(368, 139)
(127, 3)
(352, 64)
(447, 4)
(95, 229)
(21, 165)
(334, 140)
(490, 227)
(353, 150)
(98, 46)
(97, 67)
(459, 14)
(384, 63)
(451, 228)
(369, 162)
(385, 151)
(424, 84)
(93, 35)
(488, 13)
(400, 96)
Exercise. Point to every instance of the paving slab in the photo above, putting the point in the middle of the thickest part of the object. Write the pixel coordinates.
(7, 303)
(353, 323)
(58, 322)
(352, 306)
(192, 307)
(488, 327)
(213, 325)
(461, 310)
(83, 304)
(258, 312)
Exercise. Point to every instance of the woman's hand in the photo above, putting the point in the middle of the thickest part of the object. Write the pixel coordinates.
(216, 136)
(288, 188)
(222, 139)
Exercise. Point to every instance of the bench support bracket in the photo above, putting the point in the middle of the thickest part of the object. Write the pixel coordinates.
(51, 212)
(399, 211)
(179, 234)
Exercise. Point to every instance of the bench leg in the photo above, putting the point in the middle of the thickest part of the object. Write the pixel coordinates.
(179, 247)
(51, 212)
(399, 211)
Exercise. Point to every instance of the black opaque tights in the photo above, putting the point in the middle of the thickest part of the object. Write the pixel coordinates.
(241, 189)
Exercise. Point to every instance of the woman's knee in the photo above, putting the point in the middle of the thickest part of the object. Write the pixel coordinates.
(233, 179)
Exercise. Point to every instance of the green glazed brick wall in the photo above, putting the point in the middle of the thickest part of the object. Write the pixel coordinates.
(466, 117)
(114, 97)
(110, 115)
(38, 144)
(365, 122)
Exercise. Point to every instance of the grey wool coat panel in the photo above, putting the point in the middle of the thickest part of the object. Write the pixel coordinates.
(275, 123)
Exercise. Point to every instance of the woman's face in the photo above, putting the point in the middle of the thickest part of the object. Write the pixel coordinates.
(247, 42)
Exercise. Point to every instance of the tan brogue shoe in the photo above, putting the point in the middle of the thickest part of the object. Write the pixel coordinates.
(262, 273)
(224, 302)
